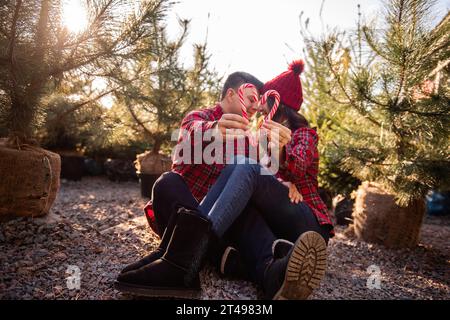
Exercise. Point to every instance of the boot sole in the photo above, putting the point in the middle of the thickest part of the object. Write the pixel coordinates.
(156, 292)
(305, 269)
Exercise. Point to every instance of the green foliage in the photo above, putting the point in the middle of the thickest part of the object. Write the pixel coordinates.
(380, 97)
(64, 129)
(37, 52)
(119, 136)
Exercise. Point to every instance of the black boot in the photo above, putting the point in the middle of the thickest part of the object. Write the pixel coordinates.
(158, 253)
(296, 275)
(232, 264)
(281, 248)
(176, 274)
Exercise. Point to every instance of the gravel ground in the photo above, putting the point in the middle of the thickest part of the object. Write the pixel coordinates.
(98, 226)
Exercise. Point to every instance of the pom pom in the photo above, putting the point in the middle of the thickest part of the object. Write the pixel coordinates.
(297, 66)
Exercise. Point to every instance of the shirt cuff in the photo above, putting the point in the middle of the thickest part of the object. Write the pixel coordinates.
(211, 124)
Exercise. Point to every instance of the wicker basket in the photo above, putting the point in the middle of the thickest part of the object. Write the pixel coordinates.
(150, 163)
(149, 166)
(30, 181)
(378, 219)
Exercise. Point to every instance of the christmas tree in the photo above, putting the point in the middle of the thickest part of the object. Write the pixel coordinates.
(380, 98)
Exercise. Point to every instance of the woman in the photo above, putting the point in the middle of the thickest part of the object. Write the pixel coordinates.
(305, 223)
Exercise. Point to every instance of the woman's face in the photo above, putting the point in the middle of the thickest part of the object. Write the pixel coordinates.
(264, 109)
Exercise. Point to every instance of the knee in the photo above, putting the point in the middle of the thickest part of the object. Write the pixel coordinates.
(247, 166)
(243, 165)
(164, 183)
(250, 170)
(229, 168)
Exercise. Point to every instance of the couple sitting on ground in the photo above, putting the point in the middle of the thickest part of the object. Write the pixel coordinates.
(269, 227)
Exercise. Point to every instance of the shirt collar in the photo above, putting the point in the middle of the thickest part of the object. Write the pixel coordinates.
(218, 111)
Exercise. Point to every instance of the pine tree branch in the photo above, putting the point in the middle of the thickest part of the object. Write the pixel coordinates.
(42, 32)
(374, 46)
(136, 118)
(71, 66)
(333, 121)
(364, 94)
(338, 80)
(441, 65)
(426, 114)
(402, 79)
(82, 104)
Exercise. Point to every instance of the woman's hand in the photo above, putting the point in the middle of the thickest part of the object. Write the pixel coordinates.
(294, 194)
(284, 133)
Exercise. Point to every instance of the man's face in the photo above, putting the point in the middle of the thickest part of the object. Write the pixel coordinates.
(249, 100)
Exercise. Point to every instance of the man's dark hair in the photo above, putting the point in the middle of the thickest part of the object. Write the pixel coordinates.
(236, 79)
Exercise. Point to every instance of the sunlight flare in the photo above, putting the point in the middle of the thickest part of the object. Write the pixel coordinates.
(74, 15)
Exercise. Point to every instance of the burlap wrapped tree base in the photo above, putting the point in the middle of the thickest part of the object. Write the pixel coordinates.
(151, 163)
(378, 219)
(30, 181)
(149, 167)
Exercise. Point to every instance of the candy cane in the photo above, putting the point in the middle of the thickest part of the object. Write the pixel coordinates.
(241, 97)
(274, 109)
(241, 89)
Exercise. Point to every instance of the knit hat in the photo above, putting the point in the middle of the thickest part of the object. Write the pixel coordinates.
(288, 85)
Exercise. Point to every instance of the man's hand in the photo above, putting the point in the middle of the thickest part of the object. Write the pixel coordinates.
(284, 133)
(232, 125)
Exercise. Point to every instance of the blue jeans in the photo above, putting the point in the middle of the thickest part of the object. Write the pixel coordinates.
(243, 183)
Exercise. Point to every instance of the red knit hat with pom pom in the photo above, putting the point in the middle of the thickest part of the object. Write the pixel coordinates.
(288, 85)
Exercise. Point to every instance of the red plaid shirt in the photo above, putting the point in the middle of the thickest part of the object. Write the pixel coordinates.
(301, 165)
(200, 177)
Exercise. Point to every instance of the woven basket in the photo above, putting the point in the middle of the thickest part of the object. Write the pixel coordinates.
(150, 163)
(30, 181)
(378, 219)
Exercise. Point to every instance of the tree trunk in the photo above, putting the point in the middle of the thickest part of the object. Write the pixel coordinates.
(156, 146)
(20, 121)
(378, 219)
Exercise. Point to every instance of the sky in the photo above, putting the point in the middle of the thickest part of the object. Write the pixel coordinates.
(263, 36)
